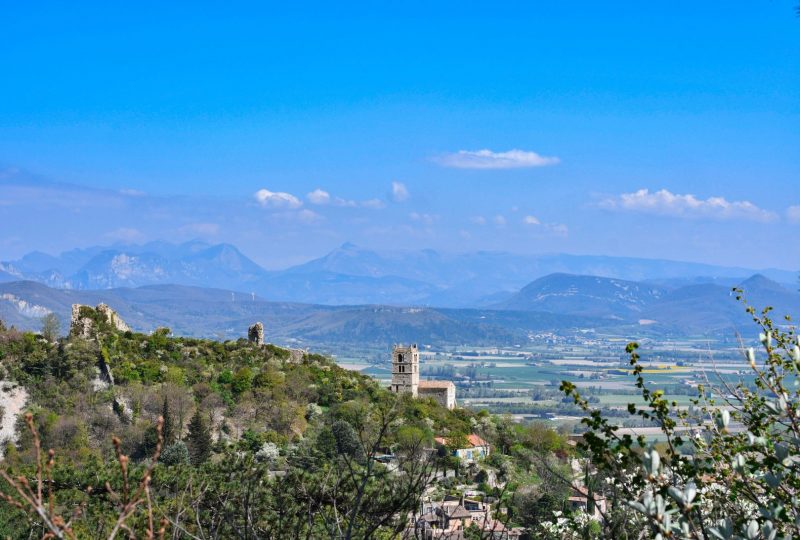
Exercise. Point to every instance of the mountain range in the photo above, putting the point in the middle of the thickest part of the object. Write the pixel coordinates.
(562, 303)
(355, 297)
(693, 309)
(351, 275)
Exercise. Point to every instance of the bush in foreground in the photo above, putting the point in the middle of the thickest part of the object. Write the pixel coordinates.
(728, 466)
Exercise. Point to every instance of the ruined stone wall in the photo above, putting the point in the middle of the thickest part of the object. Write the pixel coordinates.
(255, 333)
(112, 317)
(82, 325)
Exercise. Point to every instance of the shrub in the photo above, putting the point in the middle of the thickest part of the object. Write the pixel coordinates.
(268, 453)
(175, 454)
(728, 468)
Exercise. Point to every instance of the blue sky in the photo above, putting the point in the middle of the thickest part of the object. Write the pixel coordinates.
(655, 129)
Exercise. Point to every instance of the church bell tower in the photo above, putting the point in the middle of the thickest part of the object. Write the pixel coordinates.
(405, 369)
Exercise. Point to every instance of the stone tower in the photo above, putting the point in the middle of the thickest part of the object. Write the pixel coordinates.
(405, 369)
(255, 333)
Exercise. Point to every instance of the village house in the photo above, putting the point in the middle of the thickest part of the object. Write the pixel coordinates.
(450, 518)
(475, 449)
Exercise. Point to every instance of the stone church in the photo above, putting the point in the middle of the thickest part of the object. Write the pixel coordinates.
(405, 378)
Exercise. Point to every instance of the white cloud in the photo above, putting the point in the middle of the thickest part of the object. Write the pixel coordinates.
(478, 220)
(499, 220)
(399, 192)
(373, 203)
(279, 199)
(666, 203)
(793, 213)
(427, 219)
(557, 229)
(319, 196)
(322, 197)
(308, 216)
(486, 159)
(531, 220)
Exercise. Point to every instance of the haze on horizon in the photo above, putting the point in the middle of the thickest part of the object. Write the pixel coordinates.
(660, 131)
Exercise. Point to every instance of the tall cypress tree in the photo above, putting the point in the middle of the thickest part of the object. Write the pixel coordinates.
(168, 429)
(199, 439)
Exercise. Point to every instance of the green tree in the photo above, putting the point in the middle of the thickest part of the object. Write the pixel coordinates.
(168, 431)
(175, 454)
(326, 442)
(347, 442)
(242, 381)
(199, 439)
(51, 327)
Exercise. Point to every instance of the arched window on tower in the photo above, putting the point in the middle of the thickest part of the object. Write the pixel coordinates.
(399, 357)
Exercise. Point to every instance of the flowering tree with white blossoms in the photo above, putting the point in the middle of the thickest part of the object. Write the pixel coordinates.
(729, 467)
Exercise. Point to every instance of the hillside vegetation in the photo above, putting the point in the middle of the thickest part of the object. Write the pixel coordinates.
(257, 440)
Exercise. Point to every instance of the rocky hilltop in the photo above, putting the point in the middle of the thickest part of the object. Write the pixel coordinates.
(84, 319)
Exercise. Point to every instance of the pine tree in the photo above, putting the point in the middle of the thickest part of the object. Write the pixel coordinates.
(168, 429)
(199, 439)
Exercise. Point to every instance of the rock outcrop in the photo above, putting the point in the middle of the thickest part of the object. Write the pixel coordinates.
(12, 403)
(83, 322)
(255, 333)
(297, 356)
(112, 317)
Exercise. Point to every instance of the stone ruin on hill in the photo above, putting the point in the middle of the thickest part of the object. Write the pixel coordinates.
(255, 333)
(82, 323)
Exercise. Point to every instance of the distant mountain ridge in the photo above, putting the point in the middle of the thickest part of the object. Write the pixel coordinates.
(351, 274)
(194, 263)
(221, 313)
(694, 308)
(560, 303)
(585, 295)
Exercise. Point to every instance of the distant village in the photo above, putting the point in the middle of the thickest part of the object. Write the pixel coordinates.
(448, 517)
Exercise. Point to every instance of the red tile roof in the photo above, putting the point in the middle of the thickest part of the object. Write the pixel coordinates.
(474, 440)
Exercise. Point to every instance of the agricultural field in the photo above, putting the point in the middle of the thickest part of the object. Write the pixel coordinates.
(524, 381)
